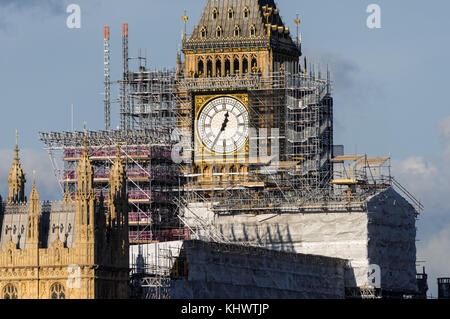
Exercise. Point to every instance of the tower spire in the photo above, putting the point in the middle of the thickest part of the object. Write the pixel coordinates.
(16, 178)
(16, 150)
(34, 197)
(67, 196)
(85, 197)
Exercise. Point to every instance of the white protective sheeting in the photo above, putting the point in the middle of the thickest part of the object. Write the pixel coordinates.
(232, 271)
(382, 234)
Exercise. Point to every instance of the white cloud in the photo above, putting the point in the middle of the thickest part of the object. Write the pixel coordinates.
(444, 127)
(31, 160)
(428, 179)
(436, 252)
(417, 173)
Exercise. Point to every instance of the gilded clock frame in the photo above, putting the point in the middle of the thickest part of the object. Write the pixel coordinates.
(200, 148)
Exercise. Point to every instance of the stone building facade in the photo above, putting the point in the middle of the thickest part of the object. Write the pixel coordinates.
(72, 249)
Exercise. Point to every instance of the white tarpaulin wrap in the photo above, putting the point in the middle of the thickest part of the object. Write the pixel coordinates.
(382, 234)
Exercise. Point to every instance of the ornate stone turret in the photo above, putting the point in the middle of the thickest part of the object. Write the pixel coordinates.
(117, 183)
(118, 209)
(67, 196)
(16, 179)
(85, 198)
(33, 218)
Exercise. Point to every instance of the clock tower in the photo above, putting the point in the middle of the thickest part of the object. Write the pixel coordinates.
(236, 53)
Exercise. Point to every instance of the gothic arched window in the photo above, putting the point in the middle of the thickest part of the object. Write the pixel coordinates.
(246, 13)
(57, 291)
(245, 65)
(10, 292)
(209, 68)
(203, 33)
(230, 13)
(219, 31)
(227, 67)
(201, 68)
(252, 30)
(215, 13)
(254, 65)
(236, 66)
(237, 31)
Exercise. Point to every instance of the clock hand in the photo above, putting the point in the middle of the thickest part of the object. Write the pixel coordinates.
(224, 126)
(225, 123)
(217, 139)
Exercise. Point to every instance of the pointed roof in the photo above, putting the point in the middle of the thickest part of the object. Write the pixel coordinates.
(16, 169)
(85, 173)
(117, 173)
(16, 177)
(250, 17)
(67, 195)
(84, 164)
(34, 196)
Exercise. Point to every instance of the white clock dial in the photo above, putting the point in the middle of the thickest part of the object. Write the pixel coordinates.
(223, 125)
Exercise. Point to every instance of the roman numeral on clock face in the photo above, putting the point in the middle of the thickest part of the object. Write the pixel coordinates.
(223, 125)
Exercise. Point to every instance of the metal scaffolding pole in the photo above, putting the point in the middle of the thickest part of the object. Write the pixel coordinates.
(107, 69)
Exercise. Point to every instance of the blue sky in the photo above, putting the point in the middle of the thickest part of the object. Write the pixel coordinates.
(389, 90)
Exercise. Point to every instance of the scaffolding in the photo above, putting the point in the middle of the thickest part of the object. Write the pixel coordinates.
(356, 177)
(307, 175)
(151, 176)
(107, 72)
(153, 267)
(292, 112)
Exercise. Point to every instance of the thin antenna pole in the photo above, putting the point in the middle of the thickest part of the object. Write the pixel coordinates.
(124, 98)
(145, 58)
(107, 70)
(185, 19)
(71, 111)
(328, 80)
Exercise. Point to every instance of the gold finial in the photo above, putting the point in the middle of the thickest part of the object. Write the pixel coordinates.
(34, 179)
(16, 150)
(185, 18)
(297, 22)
(267, 13)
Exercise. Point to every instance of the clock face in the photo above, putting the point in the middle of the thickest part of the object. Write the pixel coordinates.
(223, 125)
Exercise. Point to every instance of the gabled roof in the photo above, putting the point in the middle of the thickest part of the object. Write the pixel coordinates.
(216, 15)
